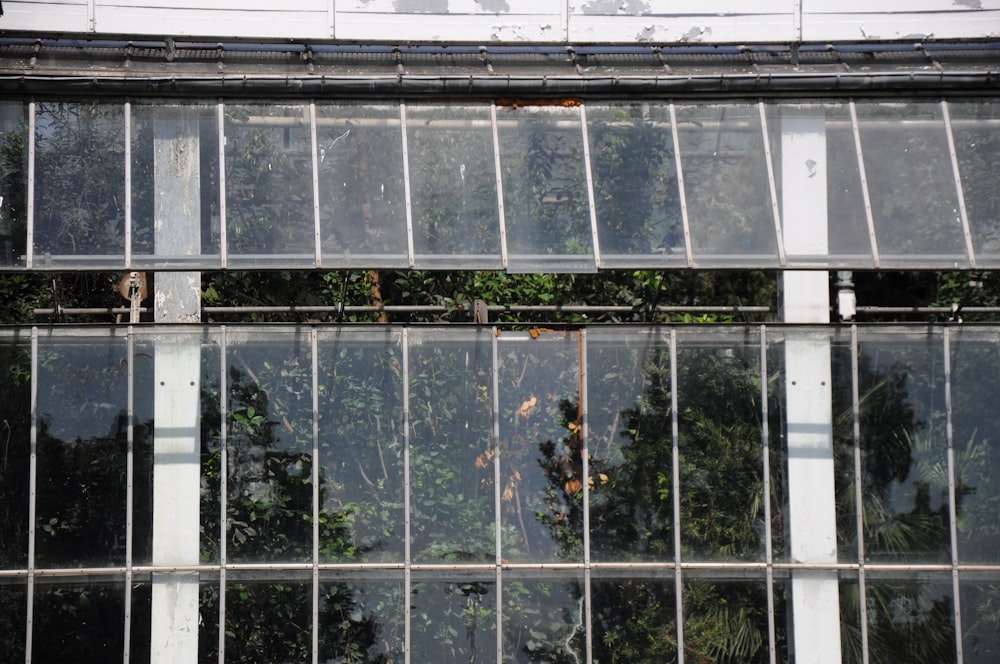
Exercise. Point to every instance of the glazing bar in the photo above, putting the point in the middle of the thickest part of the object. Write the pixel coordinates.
(864, 184)
(676, 484)
(773, 189)
(407, 195)
(682, 197)
(591, 203)
(128, 198)
(129, 479)
(223, 225)
(962, 210)
(504, 258)
(407, 551)
(223, 472)
(32, 489)
(585, 461)
(494, 340)
(317, 236)
(30, 247)
(952, 509)
(314, 349)
(859, 493)
(766, 461)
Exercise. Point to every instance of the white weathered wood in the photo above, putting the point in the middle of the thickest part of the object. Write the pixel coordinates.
(466, 28)
(682, 28)
(305, 19)
(854, 20)
(64, 16)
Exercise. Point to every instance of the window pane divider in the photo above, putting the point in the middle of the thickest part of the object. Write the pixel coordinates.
(858, 491)
(956, 603)
(869, 216)
(407, 195)
(675, 463)
(772, 187)
(956, 172)
(766, 462)
(681, 195)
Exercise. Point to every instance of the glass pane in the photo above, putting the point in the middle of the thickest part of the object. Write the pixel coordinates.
(980, 621)
(269, 194)
(13, 183)
(637, 618)
(144, 377)
(910, 621)
(454, 621)
(269, 448)
(361, 446)
(541, 485)
(543, 619)
(635, 185)
(13, 620)
(361, 195)
(630, 445)
(268, 622)
(843, 448)
(851, 647)
(79, 180)
(975, 365)
(453, 184)
(15, 440)
(79, 622)
(976, 128)
(726, 185)
(777, 437)
(903, 448)
(208, 622)
(452, 514)
(175, 184)
(910, 181)
(360, 621)
(726, 621)
(546, 208)
(721, 483)
(82, 433)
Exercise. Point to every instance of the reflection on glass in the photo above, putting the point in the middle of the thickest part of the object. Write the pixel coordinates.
(637, 618)
(544, 619)
(541, 467)
(635, 183)
(841, 388)
(630, 446)
(546, 208)
(361, 194)
(79, 622)
(211, 448)
(977, 143)
(269, 446)
(726, 184)
(903, 446)
(454, 621)
(15, 395)
(13, 182)
(851, 647)
(175, 182)
(79, 179)
(777, 448)
(911, 184)
(910, 621)
(361, 446)
(82, 438)
(451, 449)
(269, 194)
(975, 365)
(453, 185)
(980, 621)
(721, 483)
(361, 622)
(726, 621)
(268, 622)
(13, 605)
(143, 370)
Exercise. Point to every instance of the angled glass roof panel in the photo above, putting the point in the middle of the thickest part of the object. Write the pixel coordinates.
(361, 194)
(174, 174)
(453, 186)
(269, 197)
(14, 183)
(545, 199)
(976, 128)
(911, 184)
(635, 185)
(726, 185)
(79, 211)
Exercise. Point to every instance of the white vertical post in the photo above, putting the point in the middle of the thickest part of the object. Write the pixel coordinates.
(176, 433)
(806, 299)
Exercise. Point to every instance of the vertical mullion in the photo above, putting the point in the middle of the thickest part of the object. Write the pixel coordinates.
(504, 258)
(766, 461)
(676, 483)
(962, 209)
(869, 216)
(407, 552)
(128, 195)
(30, 204)
(772, 187)
(952, 509)
(32, 492)
(407, 195)
(498, 562)
(129, 481)
(223, 225)
(591, 202)
(314, 343)
(859, 496)
(317, 238)
(223, 484)
(681, 195)
(585, 461)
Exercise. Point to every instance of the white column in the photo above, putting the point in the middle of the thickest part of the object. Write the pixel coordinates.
(806, 299)
(176, 434)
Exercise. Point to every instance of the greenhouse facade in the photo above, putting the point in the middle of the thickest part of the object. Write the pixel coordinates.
(807, 488)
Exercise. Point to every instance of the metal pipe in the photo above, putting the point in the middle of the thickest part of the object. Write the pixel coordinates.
(440, 308)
